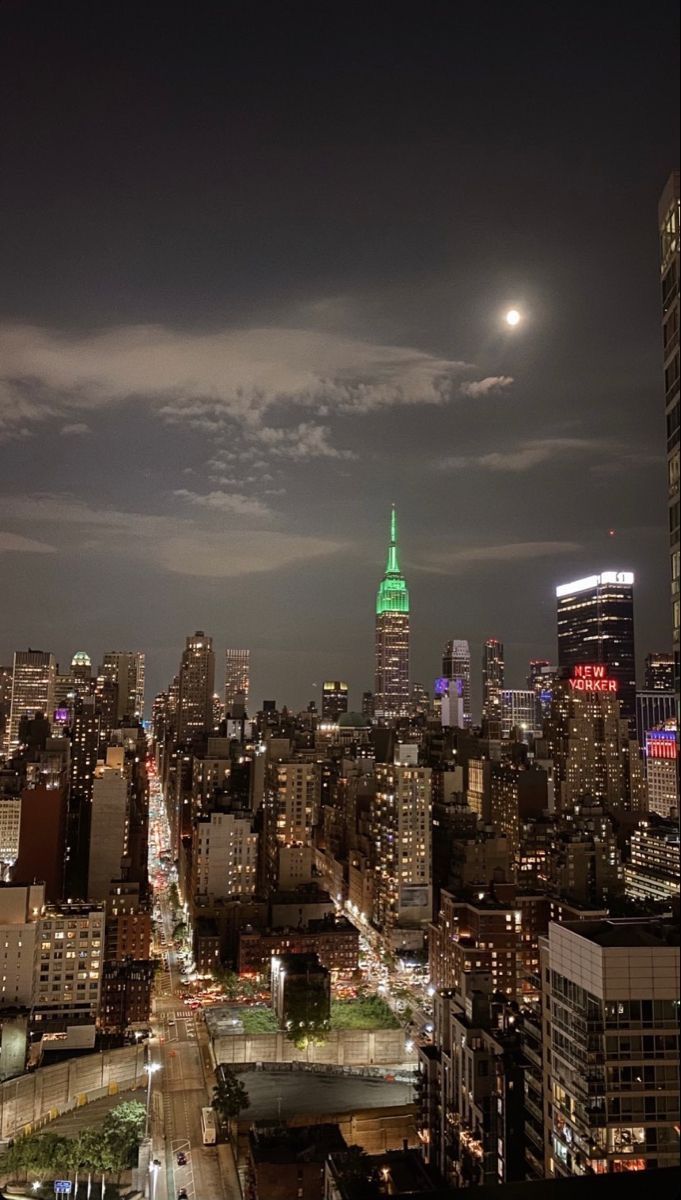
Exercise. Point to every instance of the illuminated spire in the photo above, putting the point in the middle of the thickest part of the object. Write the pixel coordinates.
(392, 592)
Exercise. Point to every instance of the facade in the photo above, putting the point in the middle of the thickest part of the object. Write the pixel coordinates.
(654, 709)
(659, 672)
(492, 679)
(662, 772)
(69, 971)
(456, 665)
(237, 677)
(596, 626)
(334, 699)
(333, 939)
(519, 711)
(125, 670)
(197, 679)
(108, 830)
(611, 1050)
(126, 994)
(470, 1087)
(34, 676)
(592, 751)
(401, 835)
(10, 828)
(42, 837)
(652, 872)
(21, 906)
(225, 852)
(669, 222)
(391, 653)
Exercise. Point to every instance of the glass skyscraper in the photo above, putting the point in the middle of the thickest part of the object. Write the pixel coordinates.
(596, 625)
(391, 677)
(670, 270)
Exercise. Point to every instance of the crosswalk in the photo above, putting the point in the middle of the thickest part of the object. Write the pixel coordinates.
(184, 1014)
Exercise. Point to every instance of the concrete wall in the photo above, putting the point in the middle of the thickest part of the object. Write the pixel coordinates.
(343, 1047)
(41, 1095)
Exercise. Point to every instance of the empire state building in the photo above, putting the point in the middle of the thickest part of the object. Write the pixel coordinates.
(391, 679)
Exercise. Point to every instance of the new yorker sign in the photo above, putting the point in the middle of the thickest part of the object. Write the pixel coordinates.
(591, 677)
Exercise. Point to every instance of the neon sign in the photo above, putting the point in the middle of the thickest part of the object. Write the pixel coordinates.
(591, 677)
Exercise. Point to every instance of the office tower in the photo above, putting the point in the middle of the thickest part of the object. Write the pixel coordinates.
(225, 856)
(334, 699)
(456, 664)
(662, 776)
(652, 872)
(81, 667)
(5, 702)
(596, 626)
(611, 1046)
(125, 669)
(237, 678)
(10, 829)
(669, 214)
(540, 679)
(21, 906)
(368, 705)
(401, 834)
(519, 712)
(592, 751)
(67, 987)
(492, 679)
(84, 736)
(654, 710)
(33, 680)
(197, 677)
(108, 830)
(391, 676)
(42, 835)
(659, 672)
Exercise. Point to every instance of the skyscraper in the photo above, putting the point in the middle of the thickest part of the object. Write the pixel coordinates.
(391, 679)
(237, 677)
(669, 214)
(492, 679)
(197, 677)
(456, 664)
(125, 669)
(334, 699)
(659, 672)
(33, 681)
(596, 625)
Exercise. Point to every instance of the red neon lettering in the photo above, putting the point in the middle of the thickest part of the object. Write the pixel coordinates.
(599, 672)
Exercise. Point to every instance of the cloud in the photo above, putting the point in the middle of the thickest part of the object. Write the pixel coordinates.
(465, 557)
(75, 429)
(241, 372)
(483, 387)
(528, 455)
(181, 546)
(305, 441)
(13, 543)
(226, 502)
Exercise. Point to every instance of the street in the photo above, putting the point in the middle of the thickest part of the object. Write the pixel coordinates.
(183, 1084)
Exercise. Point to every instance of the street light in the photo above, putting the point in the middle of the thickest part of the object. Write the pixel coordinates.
(154, 1168)
(150, 1068)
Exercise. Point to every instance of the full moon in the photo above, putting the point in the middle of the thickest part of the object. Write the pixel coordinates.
(512, 316)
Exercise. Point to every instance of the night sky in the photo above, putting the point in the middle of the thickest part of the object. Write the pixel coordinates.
(254, 260)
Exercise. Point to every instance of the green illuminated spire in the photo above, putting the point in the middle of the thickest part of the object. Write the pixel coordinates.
(393, 595)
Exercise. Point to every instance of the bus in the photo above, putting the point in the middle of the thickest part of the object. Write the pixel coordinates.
(209, 1128)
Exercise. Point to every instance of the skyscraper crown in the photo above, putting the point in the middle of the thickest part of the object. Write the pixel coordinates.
(393, 595)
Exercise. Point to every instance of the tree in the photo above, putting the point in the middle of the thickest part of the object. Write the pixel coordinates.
(122, 1132)
(229, 1096)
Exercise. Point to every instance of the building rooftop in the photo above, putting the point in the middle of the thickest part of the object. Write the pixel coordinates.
(302, 1143)
(626, 932)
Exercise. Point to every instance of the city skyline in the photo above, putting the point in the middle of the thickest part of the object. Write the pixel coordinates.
(168, 411)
